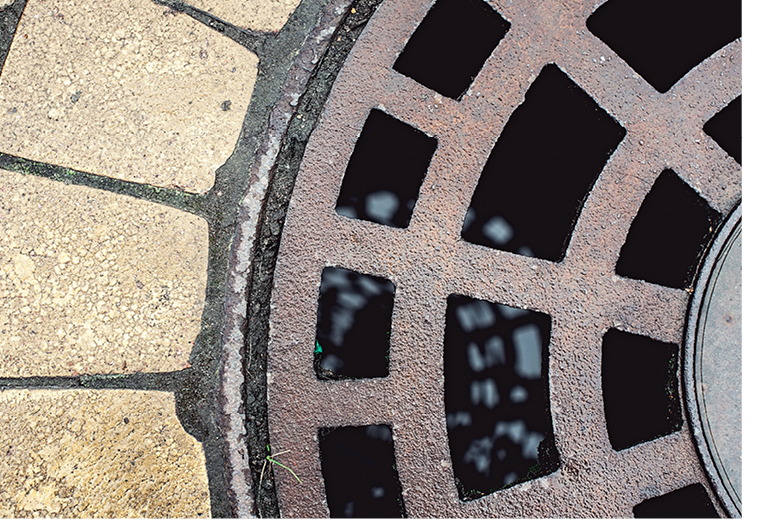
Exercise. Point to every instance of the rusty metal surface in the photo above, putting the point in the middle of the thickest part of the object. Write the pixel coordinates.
(428, 261)
(232, 376)
(712, 364)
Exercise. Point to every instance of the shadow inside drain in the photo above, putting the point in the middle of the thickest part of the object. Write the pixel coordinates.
(725, 128)
(668, 235)
(451, 44)
(541, 170)
(663, 39)
(496, 395)
(639, 388)
(353, 325)
(385, 171)
(359, 470)
(688, 502)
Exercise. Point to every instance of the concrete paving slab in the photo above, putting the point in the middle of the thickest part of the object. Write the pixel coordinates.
(124, 88)
(94, 282)
(256, 15)
(89, 453)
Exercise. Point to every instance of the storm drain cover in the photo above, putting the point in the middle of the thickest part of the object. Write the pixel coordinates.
(480, 299)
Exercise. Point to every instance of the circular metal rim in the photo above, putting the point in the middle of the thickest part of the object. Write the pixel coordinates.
(692, 399)
(239, 316)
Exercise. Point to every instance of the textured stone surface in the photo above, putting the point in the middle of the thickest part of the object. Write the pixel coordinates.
(93, 282)
(86, 453)
(126, 89)
(257, 15)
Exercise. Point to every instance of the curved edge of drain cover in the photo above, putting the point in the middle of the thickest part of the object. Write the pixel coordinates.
(232, 379)
(693, 400)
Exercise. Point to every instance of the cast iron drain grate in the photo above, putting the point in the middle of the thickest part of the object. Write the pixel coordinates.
(570, 289)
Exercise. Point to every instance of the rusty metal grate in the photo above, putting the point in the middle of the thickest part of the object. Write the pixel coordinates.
(428, 262)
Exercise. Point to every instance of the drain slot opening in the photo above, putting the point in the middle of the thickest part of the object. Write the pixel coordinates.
(451, 44)
(663, 39)
(541, 170)
(496, 395)
(687, 502)
(725, 128)
(639, 388)
(385, 172)
(359, 469)
(353, 325)
(669, 234)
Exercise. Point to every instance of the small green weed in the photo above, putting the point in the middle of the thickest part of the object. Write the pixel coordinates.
(270, 459)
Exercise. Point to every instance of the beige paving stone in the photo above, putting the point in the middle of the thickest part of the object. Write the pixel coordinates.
(93, 282)
(257, 15)
(5, 3)
(100, 454)
(124, 88)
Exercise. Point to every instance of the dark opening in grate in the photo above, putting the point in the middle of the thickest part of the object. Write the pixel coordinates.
(496, 395)
(639, 388)
(668, 235)
(359, 469)
(353, 325)
(385, 172)
(688, 502)
(541, 170)
(725, 128)
(451, 44)
(663, 39)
